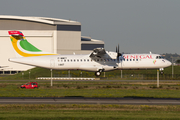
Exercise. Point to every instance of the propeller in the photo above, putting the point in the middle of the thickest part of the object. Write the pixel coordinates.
(118, 54)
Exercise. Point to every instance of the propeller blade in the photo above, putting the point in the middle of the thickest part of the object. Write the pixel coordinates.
(118, 53)
(118, 49)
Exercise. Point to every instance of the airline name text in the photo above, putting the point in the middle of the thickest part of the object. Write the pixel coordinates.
(137, 57)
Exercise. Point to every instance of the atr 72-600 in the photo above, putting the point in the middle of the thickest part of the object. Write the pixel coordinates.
(98, 61)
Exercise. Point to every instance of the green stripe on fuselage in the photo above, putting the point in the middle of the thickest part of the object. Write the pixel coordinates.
(28, 46)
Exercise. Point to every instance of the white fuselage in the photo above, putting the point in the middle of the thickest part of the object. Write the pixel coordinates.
(84, 62)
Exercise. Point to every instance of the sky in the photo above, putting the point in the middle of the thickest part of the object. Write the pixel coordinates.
(138, 26)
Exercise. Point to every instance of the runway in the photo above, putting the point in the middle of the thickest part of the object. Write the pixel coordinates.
(82, 100)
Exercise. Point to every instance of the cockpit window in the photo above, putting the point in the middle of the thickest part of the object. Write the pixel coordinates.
(159, 57)
(162, 57)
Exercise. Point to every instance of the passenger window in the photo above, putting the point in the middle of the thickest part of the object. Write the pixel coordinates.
(133, 59)
(127, 59)
(130, 59)
(136, 59)
(64, 60)
(157, 57)
(74, 60)
(84, 60)
(77, 60)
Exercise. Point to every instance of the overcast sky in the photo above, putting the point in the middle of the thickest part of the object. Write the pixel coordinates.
(138, 26)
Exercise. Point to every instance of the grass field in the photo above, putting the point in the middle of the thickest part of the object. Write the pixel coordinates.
(92, 89)
(89, 112)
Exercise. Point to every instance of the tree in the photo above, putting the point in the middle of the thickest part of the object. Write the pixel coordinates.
(178, 61)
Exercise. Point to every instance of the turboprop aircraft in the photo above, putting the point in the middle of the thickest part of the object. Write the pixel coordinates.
(98, 61)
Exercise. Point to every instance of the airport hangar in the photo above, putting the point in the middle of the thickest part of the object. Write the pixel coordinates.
(48, 34)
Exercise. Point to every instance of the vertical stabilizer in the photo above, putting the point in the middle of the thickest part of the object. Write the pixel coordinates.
(22, 47)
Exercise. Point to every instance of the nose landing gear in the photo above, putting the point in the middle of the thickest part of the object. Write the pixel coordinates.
(161, 71)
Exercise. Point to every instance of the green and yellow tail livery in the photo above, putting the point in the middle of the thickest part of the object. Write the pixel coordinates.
(22, 47)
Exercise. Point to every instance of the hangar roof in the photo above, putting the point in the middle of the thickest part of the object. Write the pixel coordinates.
(46, 20)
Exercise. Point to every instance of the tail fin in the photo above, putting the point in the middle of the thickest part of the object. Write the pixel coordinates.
(22, 47)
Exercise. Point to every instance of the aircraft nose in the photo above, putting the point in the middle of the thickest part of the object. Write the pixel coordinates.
(169, 63)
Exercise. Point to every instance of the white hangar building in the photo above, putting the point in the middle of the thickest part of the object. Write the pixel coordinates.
(48, 34)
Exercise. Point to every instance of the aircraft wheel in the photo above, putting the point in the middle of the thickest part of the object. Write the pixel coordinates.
(97, 73)
(162, 72)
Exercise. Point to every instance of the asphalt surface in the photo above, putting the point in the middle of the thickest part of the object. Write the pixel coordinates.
(83, 100)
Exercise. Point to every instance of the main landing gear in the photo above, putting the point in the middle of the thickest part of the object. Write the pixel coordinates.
(98, 73)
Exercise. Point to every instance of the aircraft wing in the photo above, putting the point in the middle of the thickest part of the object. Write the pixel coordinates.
(98, 52)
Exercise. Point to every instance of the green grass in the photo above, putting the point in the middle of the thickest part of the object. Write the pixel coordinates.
(92, 89)
(90, 93)
(88, 112)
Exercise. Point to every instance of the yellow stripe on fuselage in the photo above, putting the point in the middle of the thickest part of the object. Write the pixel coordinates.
(15, 42)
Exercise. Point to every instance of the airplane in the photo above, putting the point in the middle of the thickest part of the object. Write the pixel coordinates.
(98, 61)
